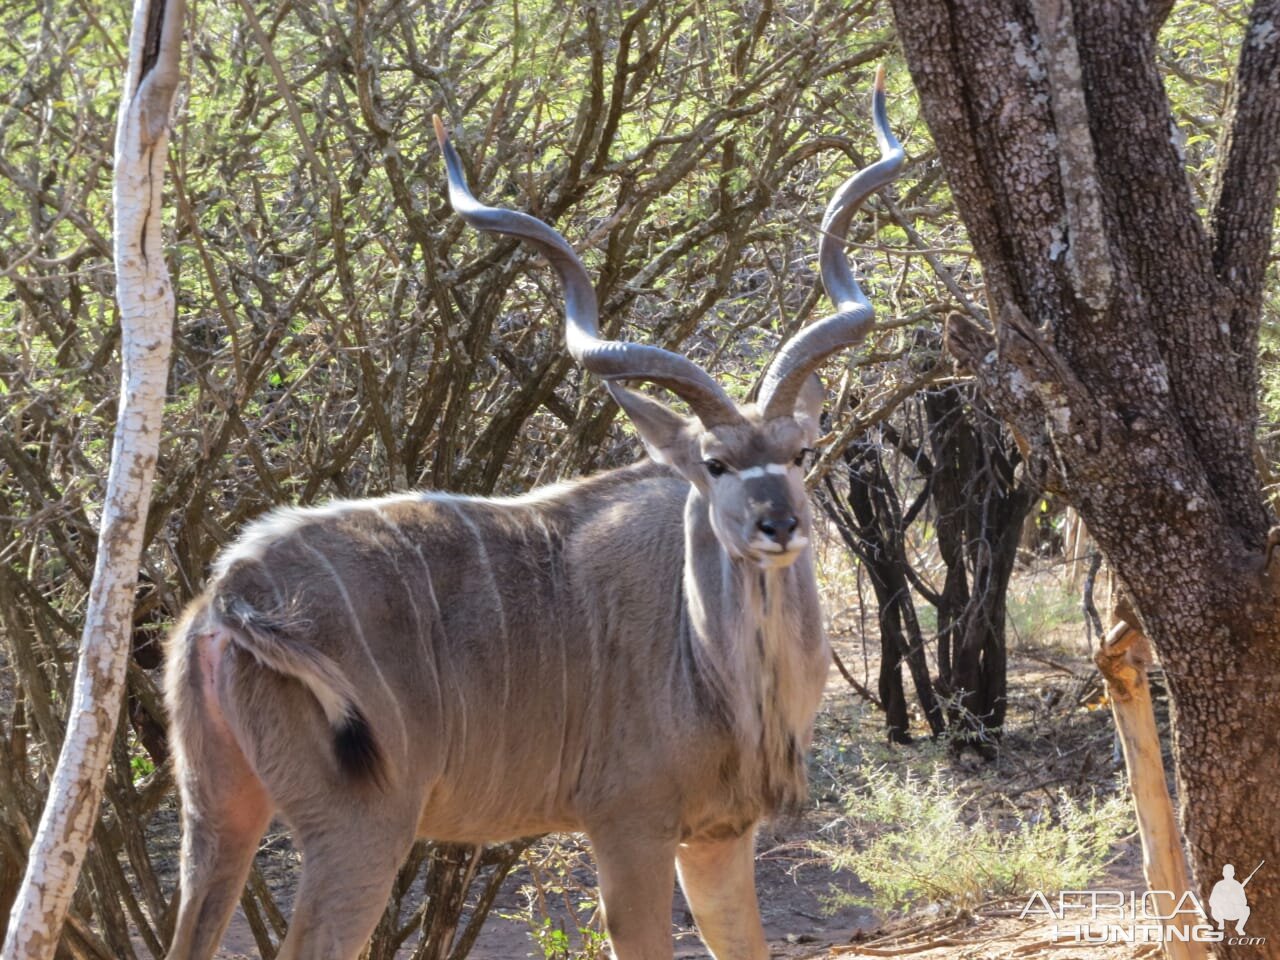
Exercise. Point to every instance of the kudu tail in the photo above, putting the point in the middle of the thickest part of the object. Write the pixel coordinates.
(269, 639)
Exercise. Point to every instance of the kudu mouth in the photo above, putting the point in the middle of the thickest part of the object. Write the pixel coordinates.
(767, 549)
(775, 556)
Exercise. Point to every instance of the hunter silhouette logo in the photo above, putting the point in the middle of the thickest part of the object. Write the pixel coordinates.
(1228, 900)
(1151, 916)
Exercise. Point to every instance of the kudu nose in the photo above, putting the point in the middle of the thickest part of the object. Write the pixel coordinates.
(778, 526)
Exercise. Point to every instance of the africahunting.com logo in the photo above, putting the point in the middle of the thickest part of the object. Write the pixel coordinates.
(1156, 916)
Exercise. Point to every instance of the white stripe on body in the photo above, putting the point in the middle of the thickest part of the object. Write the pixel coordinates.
(359, 630)
(505, 640)
(418, 619)
(432, 651)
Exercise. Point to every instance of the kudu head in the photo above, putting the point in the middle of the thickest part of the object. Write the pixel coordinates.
(746, 459)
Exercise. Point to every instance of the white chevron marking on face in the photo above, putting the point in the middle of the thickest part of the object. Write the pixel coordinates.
(760, 471)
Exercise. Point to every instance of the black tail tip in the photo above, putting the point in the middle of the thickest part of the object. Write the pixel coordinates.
(357, 751)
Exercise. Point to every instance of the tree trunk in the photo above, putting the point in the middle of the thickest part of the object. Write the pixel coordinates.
(10, 878)
(980, 506)
(146, 319)
(1124, 352)
(965, 462)
(870, 521)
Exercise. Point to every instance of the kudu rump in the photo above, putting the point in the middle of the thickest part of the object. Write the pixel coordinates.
(638, 655)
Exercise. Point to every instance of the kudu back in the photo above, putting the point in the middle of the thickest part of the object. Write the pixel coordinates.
(638, 655)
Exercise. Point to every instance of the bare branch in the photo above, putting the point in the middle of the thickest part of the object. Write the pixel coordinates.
(1086, 242)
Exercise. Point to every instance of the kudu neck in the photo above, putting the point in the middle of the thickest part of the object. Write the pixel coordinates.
(757, 642)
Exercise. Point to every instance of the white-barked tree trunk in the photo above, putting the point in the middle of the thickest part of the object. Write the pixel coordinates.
(146, 303)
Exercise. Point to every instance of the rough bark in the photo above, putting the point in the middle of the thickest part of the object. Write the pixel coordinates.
(146, 319)
(1125, 350)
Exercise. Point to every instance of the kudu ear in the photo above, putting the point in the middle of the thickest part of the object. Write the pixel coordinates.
(663, 431)
(809, 405)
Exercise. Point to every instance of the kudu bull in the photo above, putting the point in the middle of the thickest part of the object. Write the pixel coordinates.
(638, 655)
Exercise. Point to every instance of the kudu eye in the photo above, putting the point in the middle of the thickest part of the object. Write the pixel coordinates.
(715, 467)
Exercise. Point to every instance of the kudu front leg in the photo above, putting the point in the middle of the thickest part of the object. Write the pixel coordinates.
(637, 879)
(718, 879)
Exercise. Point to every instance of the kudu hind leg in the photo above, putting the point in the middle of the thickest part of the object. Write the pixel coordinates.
(216, 859)
(719, 882)
(350, 855)
(225, 808)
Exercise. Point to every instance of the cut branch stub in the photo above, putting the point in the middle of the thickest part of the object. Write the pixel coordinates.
(1124, 659)
(976, 350)
(1026, 378)
(1067, 404)
(967, 341)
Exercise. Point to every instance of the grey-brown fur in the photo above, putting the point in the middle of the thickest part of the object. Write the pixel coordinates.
(638, 655)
